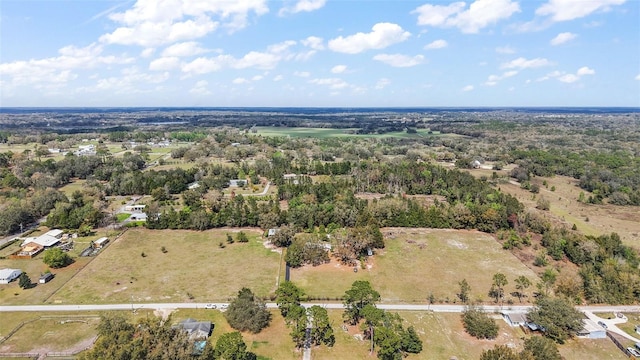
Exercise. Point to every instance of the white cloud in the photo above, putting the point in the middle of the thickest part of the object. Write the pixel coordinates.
(240, 80)
(203, 65)
(278, 78)
(148, 52)
(200, 88)
(382, 83)
(302, 6)
(467, 88)
(257, 78)
(493, 79)
(522, 63)
(151, 23)
(256, 59)
(564, 10)
(563, 38)
(399, 60)
(381, 36)
(58, 69)
(131, 81)
(338, 69)
(638, 77)
(313, 42)
(164, 64)
(332, 83)
(151, 34)
(437, 44)
(505, 50)
(569, 78)
(479, 14)
(183, 49)
(585, 71)
(302, 73)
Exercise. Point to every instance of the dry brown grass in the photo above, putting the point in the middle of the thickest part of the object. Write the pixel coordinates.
(417, 262)
(194, 268)
(564, 206)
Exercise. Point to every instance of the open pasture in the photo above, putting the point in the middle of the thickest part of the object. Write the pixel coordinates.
(419, 262)
(192, 267)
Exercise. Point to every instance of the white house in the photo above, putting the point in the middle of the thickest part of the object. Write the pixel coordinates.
(8, 275)
(515, 319)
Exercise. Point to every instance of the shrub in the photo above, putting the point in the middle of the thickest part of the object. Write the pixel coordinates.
(479, 324)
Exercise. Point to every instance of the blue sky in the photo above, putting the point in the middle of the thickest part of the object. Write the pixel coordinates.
(346, 53)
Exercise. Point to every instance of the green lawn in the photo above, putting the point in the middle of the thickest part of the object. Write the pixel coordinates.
(194, 267)
(416, 262)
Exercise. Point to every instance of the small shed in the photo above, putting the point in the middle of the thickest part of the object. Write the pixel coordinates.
(271, 232)
(8, 275)
(45, 278)
(237, 183)
(591, 330)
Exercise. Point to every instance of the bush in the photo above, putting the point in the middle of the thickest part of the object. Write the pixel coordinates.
(57, 258)
(479, 324)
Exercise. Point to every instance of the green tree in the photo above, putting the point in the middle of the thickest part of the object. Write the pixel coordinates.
(463, 295)
(56, 258)
(247, 313)
(478, 324)
(288, 295)
(242, 237)
(547, 280)
(24, 281)
(497, 287)
(321, 329)
(558, 317)
(284, 236)
(411, 342)
(522, 283)
(231, 346)
(500, 352)
(356, 298)
(542, 348)
(297, 321)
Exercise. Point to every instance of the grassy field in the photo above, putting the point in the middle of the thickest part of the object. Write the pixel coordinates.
(329, 132)
(76, 185)
(417, 262)
(591, 349)
(194, 267)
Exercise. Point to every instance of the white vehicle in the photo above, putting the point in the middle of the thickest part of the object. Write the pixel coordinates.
(633, 351)
(224, 306)
(210, 306)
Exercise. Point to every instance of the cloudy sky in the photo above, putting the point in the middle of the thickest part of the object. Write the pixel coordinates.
(346, 53)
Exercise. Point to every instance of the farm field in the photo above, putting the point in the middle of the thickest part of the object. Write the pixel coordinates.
(329, 132)
(194, 267)
(417, 262)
